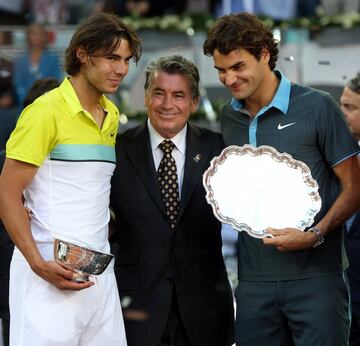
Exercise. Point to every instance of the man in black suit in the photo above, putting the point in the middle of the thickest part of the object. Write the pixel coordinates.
(170, 270)
(350, 105)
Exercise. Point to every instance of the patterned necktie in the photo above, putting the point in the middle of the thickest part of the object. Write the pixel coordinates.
(168, 180)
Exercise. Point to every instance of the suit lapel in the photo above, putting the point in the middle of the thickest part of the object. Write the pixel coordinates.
(195, 164)
(138, 151)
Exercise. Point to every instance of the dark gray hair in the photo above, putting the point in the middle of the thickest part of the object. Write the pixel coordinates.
(354, 83)
(174, 64)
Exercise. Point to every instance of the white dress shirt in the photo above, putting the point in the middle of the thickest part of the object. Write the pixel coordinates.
(178, 153)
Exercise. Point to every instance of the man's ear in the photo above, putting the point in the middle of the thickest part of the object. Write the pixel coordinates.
(265, 55)
(195, 104)
(81, 54)
(146, 98)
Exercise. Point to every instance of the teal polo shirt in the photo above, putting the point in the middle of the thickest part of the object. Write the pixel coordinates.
(307, 124)
(280, 102)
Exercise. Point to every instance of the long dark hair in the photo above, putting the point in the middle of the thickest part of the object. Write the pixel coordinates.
(100, 34)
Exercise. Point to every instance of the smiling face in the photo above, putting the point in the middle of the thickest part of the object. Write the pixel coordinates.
(350, 105)
(241, 72)
(104, 74)
(169, 103)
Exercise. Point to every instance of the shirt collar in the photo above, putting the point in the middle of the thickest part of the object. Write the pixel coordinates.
(179, 139)
(281, 98)
(72, 99)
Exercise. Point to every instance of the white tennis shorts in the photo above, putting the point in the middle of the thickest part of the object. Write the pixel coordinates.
(43, 315)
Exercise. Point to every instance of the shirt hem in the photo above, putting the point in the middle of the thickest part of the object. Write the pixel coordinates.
(23, 159)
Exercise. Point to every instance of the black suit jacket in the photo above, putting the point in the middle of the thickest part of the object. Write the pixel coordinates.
(352, 246)
(152, 258)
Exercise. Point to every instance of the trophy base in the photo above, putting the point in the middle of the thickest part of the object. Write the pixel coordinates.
(80, 277)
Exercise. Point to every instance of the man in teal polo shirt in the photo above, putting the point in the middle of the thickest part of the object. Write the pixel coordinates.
(291, 287)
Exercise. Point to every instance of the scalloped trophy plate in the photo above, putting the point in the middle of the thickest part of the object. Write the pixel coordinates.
(253, 189)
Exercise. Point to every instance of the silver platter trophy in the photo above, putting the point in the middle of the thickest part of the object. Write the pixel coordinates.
(82, 260)
(253, 189)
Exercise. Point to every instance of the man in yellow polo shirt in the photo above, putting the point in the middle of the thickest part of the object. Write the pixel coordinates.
(61, 158)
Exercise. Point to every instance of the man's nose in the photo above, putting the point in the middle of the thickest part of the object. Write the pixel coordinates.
(167, 102)
(230, 78)
(121, 68)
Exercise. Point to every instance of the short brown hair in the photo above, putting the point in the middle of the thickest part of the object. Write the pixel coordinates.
(241, 31)
(100, 34)
(174, 64)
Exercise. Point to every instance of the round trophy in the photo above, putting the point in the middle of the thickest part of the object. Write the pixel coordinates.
(253, 189)
(82, 260)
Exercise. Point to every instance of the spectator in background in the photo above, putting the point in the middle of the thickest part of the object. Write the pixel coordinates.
(221, 7)
(307, 8)
(7, 98)
(40, 87)
(78, 9)
(350, 105)
(52, 12)
(277, 9)
(14, 12)
(144, 8)
(36, 63)
(334, 7)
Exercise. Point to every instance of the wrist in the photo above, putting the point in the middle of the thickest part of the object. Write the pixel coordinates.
(319, 235)
(37, 265)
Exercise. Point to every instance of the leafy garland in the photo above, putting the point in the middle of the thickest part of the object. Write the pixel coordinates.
(202, 22)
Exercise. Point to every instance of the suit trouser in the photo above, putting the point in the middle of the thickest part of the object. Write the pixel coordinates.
(174, 333)
(354, 339)
(307, 312)
(5, 332)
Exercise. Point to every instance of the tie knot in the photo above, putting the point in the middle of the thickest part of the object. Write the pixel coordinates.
(167, 146)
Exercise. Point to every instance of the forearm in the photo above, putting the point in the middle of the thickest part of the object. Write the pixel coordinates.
(344, 206)
(348, 200)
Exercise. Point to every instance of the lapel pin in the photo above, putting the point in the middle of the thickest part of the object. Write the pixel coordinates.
(197, 158)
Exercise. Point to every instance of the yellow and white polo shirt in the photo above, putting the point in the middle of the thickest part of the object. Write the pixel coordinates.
(69, 195)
